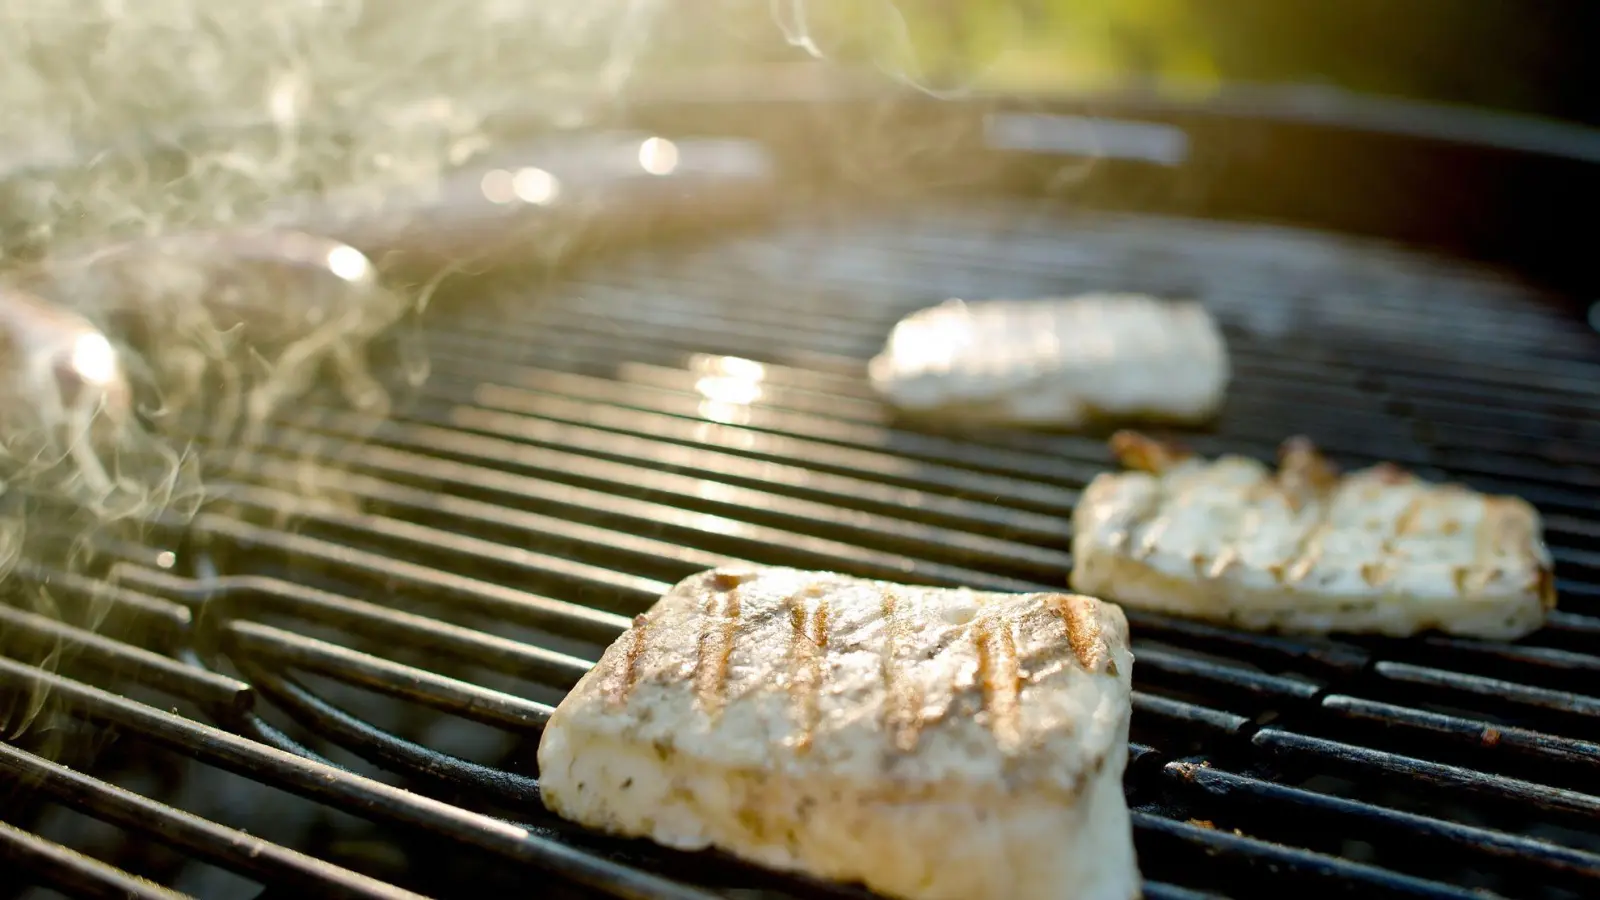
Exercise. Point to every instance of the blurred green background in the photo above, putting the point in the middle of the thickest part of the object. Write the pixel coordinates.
(1532, 56)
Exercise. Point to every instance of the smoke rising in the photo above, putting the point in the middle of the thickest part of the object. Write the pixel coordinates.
(143, 118)
(156, 295)
(149, 145)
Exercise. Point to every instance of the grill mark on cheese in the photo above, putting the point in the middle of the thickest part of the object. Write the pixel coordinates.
(1153, 522)
(1492, 529)
(714, 649)
(1231, 556)
(1227, 559)
(1544, 576)
(1152, 536)
(902, 701)
(1545, 583)
(1505, 516)
(1304, 474)
(1135, 519)
(619, 684)
(1406, 522)
(1169, 500)
(1083, 629)
(999, 677)
(808, 646)
(1308, 552)
(1146, 454)
(1375, 573)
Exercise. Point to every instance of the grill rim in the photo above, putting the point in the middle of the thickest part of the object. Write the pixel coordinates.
(1429, 175)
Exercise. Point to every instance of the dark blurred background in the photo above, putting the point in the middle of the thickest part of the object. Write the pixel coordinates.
(1529, 56)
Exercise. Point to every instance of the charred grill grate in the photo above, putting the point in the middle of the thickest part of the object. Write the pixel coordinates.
(581, 448)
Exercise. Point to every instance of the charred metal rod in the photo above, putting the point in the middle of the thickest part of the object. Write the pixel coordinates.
(76, 874)
(225, 847)
(162, 615)
(124, 660)
(298, 601)
(352, 793)
(439, 692)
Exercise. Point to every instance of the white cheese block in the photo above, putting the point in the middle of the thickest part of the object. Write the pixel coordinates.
(933, 744)
(1063, 363)
(1304, 549)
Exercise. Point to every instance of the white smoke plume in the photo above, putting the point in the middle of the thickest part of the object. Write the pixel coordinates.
(255, 103)
(145, 148)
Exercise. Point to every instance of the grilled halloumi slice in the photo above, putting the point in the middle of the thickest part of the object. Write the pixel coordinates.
(1066, 362)
(1304, 549)
(930, 743)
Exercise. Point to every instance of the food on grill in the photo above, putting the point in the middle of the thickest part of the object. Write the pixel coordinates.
(213, 310)
(931, 743)
(1305, 549)
(1064, 363)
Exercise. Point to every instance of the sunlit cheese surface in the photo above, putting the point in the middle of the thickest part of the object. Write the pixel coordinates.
(1061, 362)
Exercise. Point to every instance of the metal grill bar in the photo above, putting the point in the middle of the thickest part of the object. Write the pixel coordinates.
(1328, 756)
(1278, 806)
(269, 596)
(349, 792)
(1520, 469)
(29, 630)
(84, 876)
(76, 596)
(487, 598)
(697, 506)
(1540, 702)
(1243, 856)
(1239, 680)
(230, 849)
(459, 698)
(1374, 441)
(440, 770)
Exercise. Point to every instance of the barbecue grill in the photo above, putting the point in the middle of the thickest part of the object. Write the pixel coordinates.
(332, 682)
